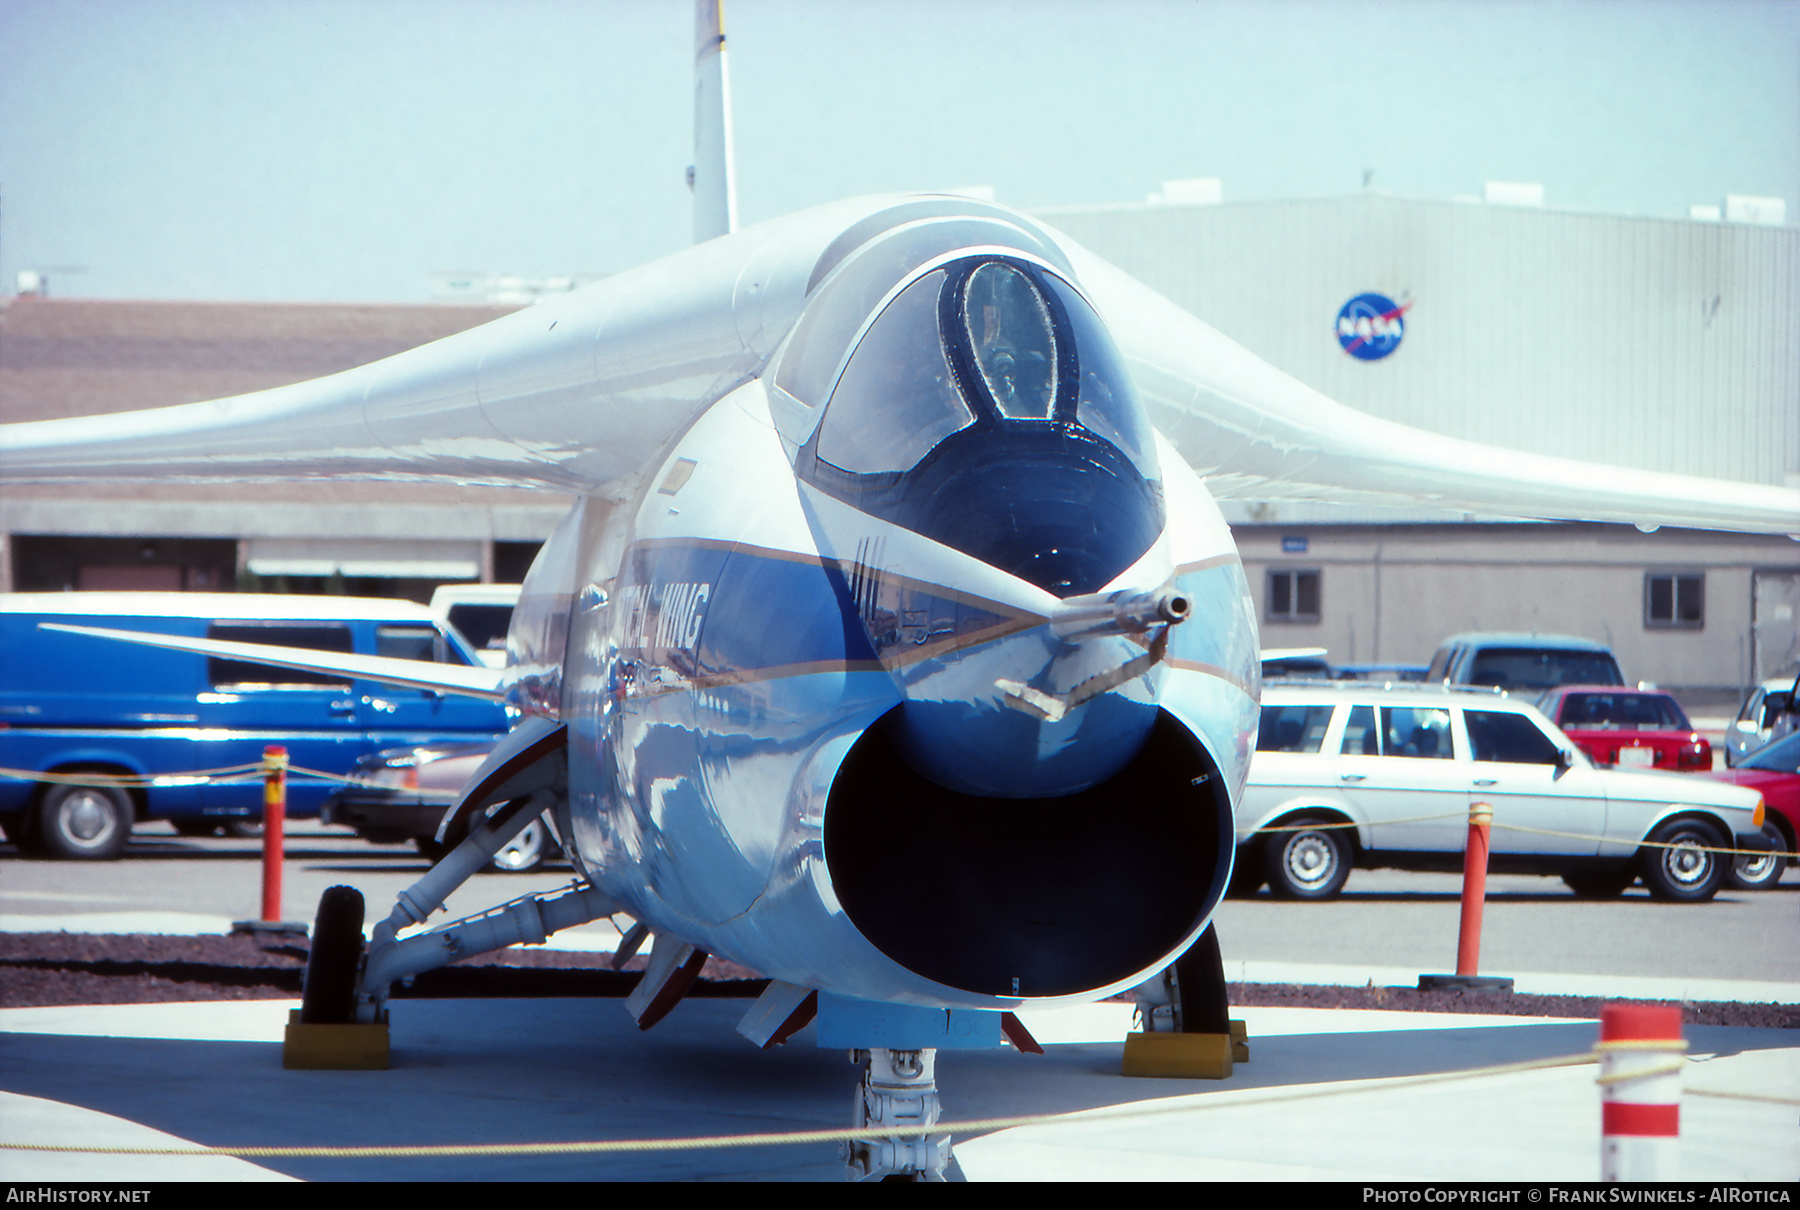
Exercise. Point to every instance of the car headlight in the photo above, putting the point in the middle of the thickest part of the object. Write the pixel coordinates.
(395, 777)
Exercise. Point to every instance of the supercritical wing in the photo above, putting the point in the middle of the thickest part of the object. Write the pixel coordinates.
(583, 392)
(577, 393)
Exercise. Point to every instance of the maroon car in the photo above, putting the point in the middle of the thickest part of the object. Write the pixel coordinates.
(1773, 771)
(1634, 728)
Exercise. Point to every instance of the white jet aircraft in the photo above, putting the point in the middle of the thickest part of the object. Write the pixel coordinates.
(896, 647)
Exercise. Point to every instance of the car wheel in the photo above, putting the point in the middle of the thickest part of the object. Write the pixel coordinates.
(1599, 884)
(328, 992)
(1685, 872)
(84, 823)
(1308, 864)
(1762, 870)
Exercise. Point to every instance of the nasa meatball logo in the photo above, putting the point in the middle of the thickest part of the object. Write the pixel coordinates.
(1370, 326)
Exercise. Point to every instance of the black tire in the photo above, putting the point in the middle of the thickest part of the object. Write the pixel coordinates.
(1762, 870)
(1200, 984)
(1599, 884)
(1686, 874)
(328, 994)
(83, 823)
(430, 849)
(1306, 864)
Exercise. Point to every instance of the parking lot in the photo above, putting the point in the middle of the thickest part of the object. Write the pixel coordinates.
(1385, 918)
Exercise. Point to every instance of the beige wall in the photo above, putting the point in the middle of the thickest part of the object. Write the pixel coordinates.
(1391, 593)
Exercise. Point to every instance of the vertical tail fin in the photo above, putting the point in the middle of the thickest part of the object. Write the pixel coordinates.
(713, 177)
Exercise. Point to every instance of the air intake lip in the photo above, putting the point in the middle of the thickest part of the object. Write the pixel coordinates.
(1029, 897)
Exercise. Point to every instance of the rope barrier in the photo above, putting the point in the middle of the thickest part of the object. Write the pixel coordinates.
(1339, 825)
(245, 774)
(1189, 1104)
(843, 1134)
(224, 775)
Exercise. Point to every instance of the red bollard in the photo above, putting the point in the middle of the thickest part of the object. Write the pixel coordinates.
(1474, 891)
(275, 762)
(1640, 1092)
(1474, 895)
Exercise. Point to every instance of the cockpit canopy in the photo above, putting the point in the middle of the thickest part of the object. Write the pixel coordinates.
(984, 405)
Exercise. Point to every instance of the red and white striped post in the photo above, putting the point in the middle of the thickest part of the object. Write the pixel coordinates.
(275, 763)
(1640, 1092)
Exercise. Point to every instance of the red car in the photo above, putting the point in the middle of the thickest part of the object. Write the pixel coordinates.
(1773, 771)
(1634, 728)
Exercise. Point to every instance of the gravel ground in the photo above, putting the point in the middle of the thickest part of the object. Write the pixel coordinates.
(76, 968)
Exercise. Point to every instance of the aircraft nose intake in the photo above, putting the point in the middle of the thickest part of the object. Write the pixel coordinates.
(1001, 749)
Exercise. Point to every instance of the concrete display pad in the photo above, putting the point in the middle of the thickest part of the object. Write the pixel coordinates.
(1329, 1095)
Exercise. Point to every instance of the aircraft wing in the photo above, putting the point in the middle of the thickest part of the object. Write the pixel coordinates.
(576, 393)
(459, 679)
(582, 392)
(1254, 432)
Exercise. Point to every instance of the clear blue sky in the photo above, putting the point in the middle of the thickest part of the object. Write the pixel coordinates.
(345, 149)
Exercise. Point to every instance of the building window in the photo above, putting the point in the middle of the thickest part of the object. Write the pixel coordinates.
(1675, 599)
(1293, 596)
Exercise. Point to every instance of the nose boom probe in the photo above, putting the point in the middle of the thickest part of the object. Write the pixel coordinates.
(1096, 616)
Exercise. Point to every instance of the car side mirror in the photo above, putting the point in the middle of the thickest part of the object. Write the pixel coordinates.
(1565, 760)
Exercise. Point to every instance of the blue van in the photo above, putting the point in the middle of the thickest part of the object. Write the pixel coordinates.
(73, 704)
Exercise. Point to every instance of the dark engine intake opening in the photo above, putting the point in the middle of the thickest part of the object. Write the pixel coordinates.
(1023, 896)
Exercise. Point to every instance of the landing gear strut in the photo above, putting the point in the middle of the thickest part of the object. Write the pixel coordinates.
(899, 1089)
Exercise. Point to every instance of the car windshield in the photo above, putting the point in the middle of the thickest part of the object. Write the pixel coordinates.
(1782, 756)
(1626, 711)
(1543, 668)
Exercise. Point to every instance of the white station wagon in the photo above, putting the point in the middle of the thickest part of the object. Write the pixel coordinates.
(1404, 765)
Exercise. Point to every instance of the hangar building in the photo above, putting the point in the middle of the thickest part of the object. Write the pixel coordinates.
(1665, 344)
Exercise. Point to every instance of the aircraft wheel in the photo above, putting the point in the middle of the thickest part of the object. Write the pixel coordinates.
(1308, 864)
(1686, 872)
(1760, 871)
(328, 994)
(1247, 875)
(84, 823)
(430, 849)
